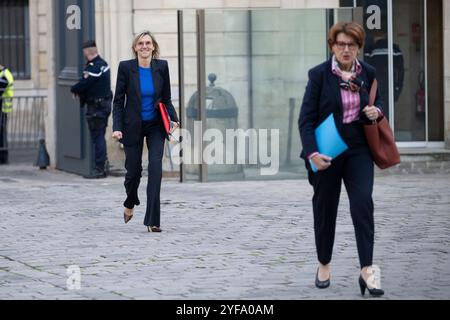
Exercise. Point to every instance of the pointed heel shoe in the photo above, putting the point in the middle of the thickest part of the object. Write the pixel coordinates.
(375, 292)
(321, 284)
(126, 217)
(153, 229)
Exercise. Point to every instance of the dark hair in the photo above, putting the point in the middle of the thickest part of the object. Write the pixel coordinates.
(89, 44)
(352, 29)
(155, 53)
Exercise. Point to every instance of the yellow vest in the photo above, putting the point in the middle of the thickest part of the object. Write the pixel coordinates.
(9, 91)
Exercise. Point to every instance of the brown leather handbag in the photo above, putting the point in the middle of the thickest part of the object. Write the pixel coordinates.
(380, 137)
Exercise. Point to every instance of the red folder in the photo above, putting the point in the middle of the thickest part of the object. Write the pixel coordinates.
(165, 118)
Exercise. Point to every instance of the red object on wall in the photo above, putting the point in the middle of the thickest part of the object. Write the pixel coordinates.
(416, 33)
(420, 94)
(420, 101)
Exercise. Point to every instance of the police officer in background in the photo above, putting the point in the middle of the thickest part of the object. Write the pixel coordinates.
(94, 90)
(377, 55)
(6, 95)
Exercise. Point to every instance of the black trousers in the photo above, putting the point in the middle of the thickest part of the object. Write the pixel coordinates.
(154, 133)
(355, 167)
(3, 137)
(97, 128)
(97, 118)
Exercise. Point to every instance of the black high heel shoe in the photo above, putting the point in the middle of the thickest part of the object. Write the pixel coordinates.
(321, 284)
(373, 292)
(127, 218)
(153, 229)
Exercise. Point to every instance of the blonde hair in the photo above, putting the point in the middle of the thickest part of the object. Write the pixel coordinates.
(155, 53)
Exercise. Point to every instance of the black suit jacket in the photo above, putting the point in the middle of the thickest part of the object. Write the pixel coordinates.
(323, 97)
(127, 99)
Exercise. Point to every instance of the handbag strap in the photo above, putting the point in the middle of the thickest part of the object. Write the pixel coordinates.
(373, 92)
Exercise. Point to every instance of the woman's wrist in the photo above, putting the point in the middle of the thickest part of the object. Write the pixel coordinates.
(312, 155)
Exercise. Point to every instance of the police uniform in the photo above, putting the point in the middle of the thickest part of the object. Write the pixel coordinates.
(377, 55)
(6, 95)
(94, 90)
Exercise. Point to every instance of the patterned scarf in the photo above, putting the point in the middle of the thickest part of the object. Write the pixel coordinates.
(348, 80)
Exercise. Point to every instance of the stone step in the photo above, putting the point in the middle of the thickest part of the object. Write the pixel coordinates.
(424, 154)
(421, 161)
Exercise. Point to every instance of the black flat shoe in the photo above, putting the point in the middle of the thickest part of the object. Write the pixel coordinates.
(322, 284)
(154, 229)
(375, 292)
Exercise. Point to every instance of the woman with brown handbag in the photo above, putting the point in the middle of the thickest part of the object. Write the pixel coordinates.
(340, 87)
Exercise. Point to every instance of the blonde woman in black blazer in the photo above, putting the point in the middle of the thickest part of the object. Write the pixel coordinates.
(143, 83)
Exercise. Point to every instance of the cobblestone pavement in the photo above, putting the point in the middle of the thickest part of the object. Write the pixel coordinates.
(227, 240)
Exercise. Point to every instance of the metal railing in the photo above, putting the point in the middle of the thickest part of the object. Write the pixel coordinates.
(25, 124)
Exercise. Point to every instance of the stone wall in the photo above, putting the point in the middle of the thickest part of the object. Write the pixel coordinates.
(38, 16)
(40, 24)
(117, 21)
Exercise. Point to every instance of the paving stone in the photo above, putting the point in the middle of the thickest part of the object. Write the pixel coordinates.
(222, 240)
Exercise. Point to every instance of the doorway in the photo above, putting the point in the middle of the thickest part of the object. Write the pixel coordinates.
(74, 148)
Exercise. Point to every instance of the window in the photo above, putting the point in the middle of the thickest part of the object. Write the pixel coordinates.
(15, 37)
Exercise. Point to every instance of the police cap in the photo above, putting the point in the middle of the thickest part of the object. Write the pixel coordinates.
(89, 44)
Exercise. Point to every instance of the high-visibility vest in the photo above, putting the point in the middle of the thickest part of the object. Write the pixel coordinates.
(9, 90)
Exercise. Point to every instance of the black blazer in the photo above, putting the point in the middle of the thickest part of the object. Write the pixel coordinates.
(323, 97)
(127, 99)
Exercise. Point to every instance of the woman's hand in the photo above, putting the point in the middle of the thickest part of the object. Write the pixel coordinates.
(117, 135)
(371, 113)
(175, 126)
(322, 162)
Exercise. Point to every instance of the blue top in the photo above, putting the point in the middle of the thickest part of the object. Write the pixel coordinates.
(148, 111)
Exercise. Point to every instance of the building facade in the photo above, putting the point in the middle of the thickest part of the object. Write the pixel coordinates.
(259, 52)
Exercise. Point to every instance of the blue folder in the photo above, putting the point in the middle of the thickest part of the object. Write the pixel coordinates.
(328, 139)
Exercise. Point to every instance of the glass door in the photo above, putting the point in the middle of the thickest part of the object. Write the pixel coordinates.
(409, 70)
(188, 51)
(435, 58)
(406, 48)
(245, 74)
(376, 50)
